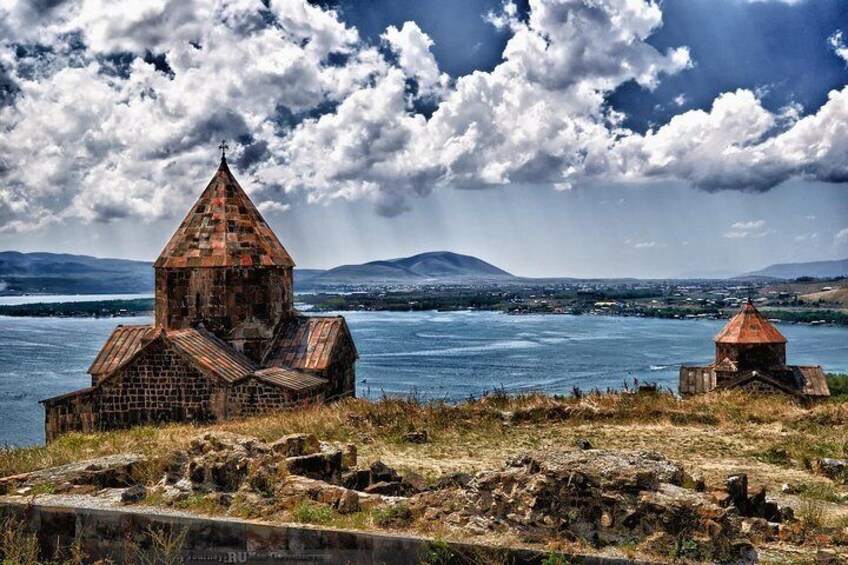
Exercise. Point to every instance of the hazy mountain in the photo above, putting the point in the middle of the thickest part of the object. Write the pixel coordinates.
(818, 269)
(61, 273)
(433, 267)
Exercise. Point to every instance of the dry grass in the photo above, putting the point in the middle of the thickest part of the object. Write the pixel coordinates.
(714, 429)
(773, 439)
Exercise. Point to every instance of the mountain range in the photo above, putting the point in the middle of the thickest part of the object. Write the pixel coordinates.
(60, 273)
(816, 269)
(432, 267)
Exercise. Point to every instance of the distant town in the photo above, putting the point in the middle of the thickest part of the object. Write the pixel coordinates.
(804, 300)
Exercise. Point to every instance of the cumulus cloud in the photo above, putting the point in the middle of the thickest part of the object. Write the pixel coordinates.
(841, 236)
(413, 50)
(111, 109)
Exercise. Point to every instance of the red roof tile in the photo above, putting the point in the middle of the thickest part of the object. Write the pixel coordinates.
(223, 229)
(211, 355)
(306, 342)
(749, 327)
(289, 378)
(814, 380)
(121, 346)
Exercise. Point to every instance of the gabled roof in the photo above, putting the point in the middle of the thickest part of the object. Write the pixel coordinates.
(770, 380)
(749, 327)
(813, 378)
(306, 342)
(223, 229)
(290, 379)
(122, 345)
(210, 355)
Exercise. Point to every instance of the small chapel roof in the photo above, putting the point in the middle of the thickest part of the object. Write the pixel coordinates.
(290, 379)
(223, 229)
(122, 345)
(306, 342)
(210, 355)
(749, 327)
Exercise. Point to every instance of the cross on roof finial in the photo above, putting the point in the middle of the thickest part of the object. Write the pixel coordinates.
(223, 147)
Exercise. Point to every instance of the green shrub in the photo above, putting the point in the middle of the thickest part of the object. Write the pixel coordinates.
(309, 513)
(397, 515)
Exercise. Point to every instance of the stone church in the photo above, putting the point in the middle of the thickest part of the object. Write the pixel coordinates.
(750, 353)
(226, 342)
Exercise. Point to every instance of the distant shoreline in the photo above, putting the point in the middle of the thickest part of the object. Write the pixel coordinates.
(144, 307)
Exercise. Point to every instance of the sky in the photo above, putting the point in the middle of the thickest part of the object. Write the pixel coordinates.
(586, 138)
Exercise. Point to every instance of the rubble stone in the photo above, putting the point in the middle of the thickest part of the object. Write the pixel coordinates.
(836, 469)
(603, 497)
(296, 445)
(135, 493)
(417, 436)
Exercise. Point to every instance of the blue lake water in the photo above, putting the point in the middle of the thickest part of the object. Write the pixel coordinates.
(437, 355)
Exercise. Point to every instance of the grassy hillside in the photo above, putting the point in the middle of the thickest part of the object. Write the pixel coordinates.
(773, 439)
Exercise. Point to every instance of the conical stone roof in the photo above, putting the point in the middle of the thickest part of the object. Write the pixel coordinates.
(749, 327)
(223, 229)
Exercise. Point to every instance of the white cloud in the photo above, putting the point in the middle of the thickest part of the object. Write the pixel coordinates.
(838, 44)
(273, 207)
(643, 244)
(95, 132)
(749, 226)
(841, 236)
(740, 145)
(805, 237)
(752, 228)
(413, 49)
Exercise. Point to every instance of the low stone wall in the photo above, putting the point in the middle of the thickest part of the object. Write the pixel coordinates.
(118, 533)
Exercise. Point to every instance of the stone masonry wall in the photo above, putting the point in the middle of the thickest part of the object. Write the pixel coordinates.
(253, 397)
(158, 386)
(71, 413)
(223, 298)
(754, 356)
(341, 371)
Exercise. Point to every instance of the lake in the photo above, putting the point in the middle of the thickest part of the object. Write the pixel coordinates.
(436, 355)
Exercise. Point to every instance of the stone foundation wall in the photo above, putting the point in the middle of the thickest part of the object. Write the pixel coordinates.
(122, 535)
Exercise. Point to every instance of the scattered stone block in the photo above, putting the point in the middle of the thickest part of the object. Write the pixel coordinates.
(348, 503)
(325, 466)
(358, 479)
(296, 445)
(349, 455)
(418, 436)
(133, 494)
(583, 443)
(393, 488)
(380, 472)
(836, 469)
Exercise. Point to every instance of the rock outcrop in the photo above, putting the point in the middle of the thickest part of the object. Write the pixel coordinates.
(603, 497)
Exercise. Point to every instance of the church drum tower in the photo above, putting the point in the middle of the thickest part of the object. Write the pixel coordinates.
(225, 269)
